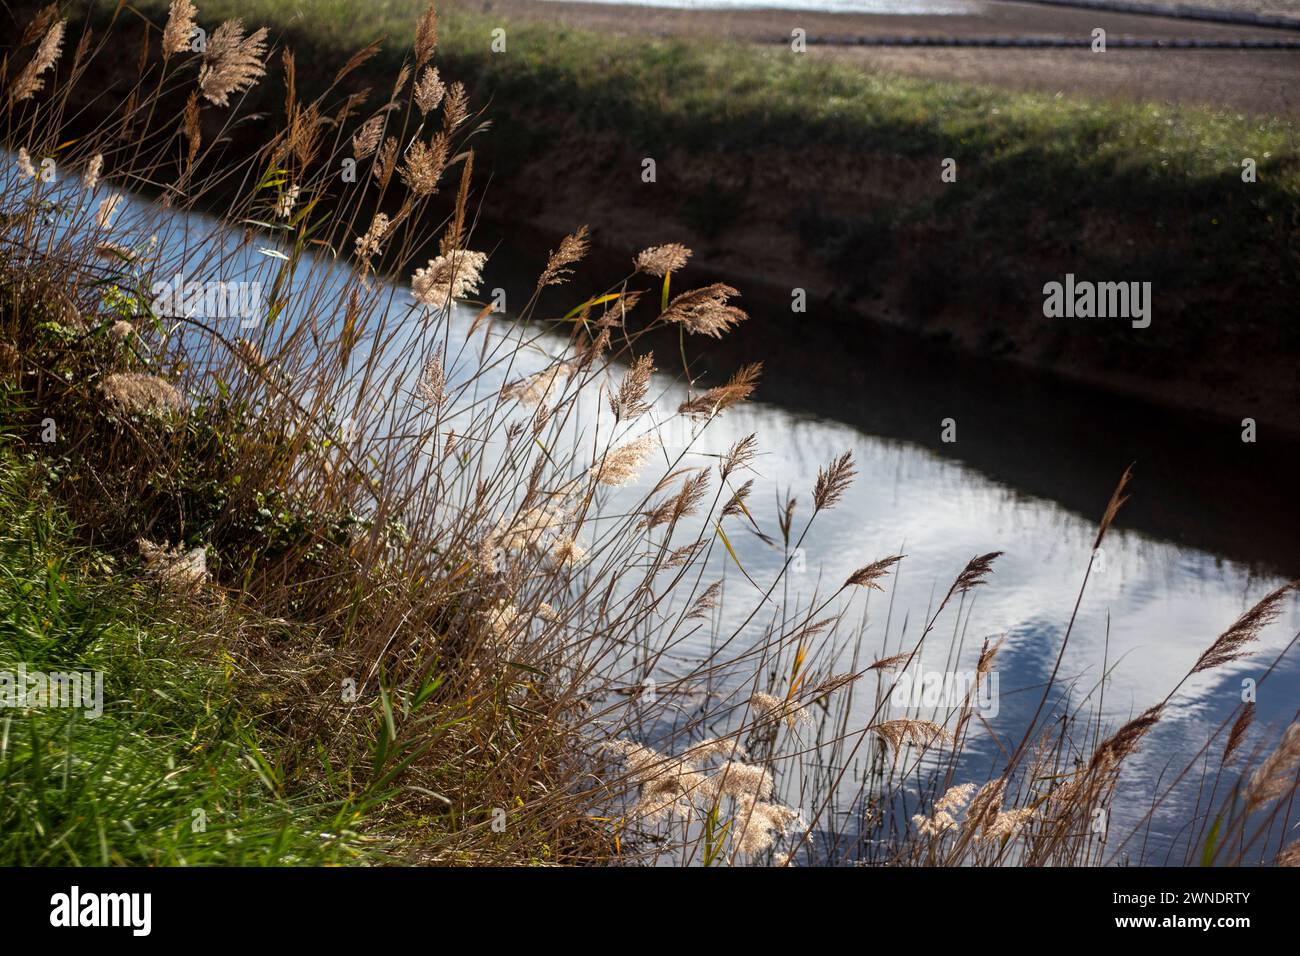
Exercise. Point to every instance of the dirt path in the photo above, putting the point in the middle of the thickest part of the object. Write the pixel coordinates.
(1264, 82)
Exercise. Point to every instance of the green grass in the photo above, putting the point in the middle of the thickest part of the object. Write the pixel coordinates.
(175, 771)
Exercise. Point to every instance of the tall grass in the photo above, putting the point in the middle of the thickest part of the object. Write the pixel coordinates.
(460, 573)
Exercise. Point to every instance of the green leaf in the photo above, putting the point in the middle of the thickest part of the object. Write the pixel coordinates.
(1211, 842)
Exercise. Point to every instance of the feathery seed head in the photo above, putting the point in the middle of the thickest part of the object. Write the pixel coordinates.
(868, 576)
(285, 202)
(1276, 776)
(29, 81)
(426, 35)
(1231, 644)
(572, 249)
(455, 108)
(448, 277)
(917, 733)
(621, 465)
(429, 90)
(366, 139)
(94, 169)
(137, 392)
(627, 401)
(424, 165)
(538, 387)
(179, 28)
(104, 213)
(705, 311)
(714, 401)
(232, 63)
(661, 260)
(832, 482)
(976, 570)
(369, 245)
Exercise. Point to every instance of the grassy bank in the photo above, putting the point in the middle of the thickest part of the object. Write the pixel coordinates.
(787, 171)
